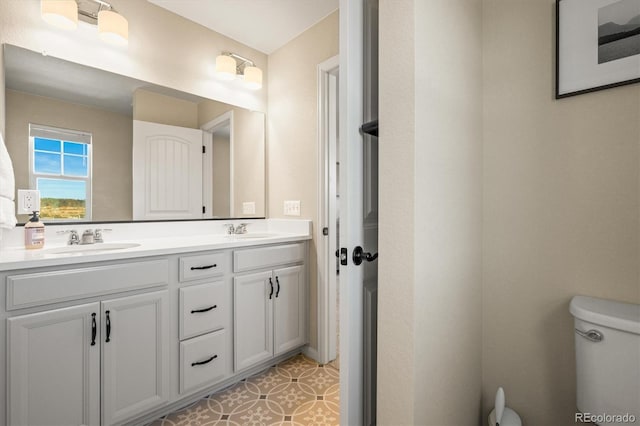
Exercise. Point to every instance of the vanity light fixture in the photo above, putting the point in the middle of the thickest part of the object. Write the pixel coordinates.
(112, 27)
(230, 65)
(60, 13)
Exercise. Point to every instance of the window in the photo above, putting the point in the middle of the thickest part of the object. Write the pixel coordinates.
(60, 168)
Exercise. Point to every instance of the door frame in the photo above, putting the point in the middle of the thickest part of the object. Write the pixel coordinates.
(208, 130)
(327, 212)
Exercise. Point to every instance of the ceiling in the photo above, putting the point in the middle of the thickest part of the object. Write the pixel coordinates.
(264, 25)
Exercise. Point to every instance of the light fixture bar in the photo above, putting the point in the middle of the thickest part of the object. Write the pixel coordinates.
(240, 58)
(103, 5)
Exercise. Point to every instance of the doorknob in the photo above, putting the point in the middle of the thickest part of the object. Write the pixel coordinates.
(359, 254)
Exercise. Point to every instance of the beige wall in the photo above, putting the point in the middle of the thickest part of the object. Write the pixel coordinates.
(430, 288)
(111, 147)
(292, 122)
(561, 210)
(162, 109)
(249, 142)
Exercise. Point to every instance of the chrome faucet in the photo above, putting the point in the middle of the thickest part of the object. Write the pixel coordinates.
(242, 228)
(97, 236)
(74, 238)
(88, 237)
(239, 229)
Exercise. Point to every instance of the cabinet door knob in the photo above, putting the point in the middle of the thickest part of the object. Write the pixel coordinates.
(198, 268)
(94, 329)
(278, 290)
(206, 361)
(271, 285)
(108, 339)
(196, 311)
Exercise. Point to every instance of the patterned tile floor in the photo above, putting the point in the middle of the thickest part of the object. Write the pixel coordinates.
(298, 391)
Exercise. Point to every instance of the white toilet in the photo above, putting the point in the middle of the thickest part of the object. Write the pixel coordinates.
(607, 335)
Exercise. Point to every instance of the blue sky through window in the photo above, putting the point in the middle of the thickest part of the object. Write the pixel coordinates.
(49, 153)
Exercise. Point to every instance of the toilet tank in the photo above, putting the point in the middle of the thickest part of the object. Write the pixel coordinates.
(607, 338)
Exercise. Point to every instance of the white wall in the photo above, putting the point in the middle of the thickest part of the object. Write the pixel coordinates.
(164, 49)
(561, 210)
(430, 288)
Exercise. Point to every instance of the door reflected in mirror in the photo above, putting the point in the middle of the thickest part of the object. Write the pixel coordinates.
(142, 165)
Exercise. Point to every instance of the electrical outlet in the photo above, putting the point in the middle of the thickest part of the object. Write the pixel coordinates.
(292, 208)
(249, 207)
(28, 201)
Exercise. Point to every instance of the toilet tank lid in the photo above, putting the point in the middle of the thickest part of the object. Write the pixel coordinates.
(609, 313)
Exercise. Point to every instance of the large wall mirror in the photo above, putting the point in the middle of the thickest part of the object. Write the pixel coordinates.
(104, 147)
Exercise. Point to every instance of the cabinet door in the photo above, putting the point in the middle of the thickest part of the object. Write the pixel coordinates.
(135, 347)
(53, 369)
(289, 323)
(253, 319)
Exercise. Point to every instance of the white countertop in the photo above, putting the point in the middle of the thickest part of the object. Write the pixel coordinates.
(20, 258)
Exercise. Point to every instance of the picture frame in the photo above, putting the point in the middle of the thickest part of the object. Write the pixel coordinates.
(597, 45)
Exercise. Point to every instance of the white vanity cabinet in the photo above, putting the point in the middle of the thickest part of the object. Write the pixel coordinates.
(269, 306)
(126, 340)
(54, 367)
(135, 355)
(102, 362)
(55, 362)
(204, 320)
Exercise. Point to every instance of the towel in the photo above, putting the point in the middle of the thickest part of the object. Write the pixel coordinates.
(7, 215)
(7, 189)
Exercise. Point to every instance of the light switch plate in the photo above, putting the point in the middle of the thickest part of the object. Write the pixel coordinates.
(249, 207)
(292, 208)
(28, 201)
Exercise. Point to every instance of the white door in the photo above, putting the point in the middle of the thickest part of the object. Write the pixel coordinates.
(135, 348)
(53, 368)
(253, 319)
(358, 214)
(167, 171)
(289, 319)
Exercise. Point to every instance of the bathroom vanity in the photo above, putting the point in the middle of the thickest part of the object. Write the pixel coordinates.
(124, 336)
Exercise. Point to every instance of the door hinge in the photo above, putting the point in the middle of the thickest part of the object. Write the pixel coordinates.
(204, 149)
(204, 209)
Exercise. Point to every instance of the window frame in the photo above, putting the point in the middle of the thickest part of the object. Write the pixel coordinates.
(62, 135)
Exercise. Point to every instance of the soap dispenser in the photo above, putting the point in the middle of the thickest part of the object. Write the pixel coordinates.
(34, 233)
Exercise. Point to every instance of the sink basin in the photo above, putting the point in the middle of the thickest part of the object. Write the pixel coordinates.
(249, 235)
(90, 248)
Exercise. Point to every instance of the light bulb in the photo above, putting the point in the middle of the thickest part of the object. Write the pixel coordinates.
(253, 78)
(225, 67)
(60, 13)
(113, 27)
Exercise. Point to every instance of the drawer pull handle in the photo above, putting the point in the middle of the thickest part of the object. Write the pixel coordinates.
(197, 311)
(278, 290)
(108, 339)
(94, 329)
(271, 285)
(199, 268)
(206, 361)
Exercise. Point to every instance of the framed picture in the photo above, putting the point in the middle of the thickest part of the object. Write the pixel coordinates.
(597, 45)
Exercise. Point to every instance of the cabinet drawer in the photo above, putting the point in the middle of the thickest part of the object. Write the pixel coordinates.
(203, 360)
(42, 288)
(203, 308)
(265, 257)
(203, 266)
